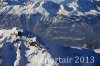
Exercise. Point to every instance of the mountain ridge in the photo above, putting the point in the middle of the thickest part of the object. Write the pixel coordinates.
(22, 48)
(50, 8)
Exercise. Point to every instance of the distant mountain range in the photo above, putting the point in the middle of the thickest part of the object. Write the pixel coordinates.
(68, 23)
(50, 8)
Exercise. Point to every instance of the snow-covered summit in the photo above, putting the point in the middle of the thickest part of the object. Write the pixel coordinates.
(50, 8)
(25, 49)
(21, 48)
(18, 50)
(81, 6)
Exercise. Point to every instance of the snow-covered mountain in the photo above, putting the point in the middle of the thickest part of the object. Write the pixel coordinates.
(81, 6)
(49, 31)
(23, 48)
(50, 8)
(68, 23)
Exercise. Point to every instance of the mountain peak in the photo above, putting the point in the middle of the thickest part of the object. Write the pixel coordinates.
(50, 8)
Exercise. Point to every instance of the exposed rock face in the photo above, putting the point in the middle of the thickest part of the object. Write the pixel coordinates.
(18, 50)
(64, 30)
(94, 44)
(66, 23)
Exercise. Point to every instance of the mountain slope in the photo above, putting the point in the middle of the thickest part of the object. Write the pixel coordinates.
(70, 28)
(49, 8)
(22, 51)
(27, 49)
